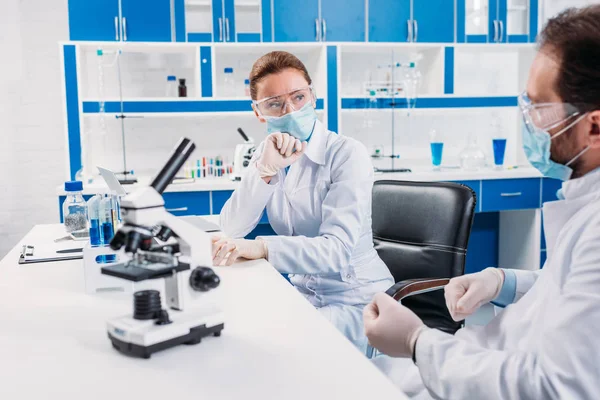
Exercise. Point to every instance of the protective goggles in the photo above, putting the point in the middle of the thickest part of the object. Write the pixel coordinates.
(547, 116)
(293, 100)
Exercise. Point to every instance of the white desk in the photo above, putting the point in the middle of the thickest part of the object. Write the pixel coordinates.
(275, 345)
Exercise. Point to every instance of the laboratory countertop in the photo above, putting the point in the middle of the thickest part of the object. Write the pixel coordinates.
(275, 345)
(425, 174)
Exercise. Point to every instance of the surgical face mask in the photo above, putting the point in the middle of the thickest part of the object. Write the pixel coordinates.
(537, 142)
(539, 120)
(299, 124)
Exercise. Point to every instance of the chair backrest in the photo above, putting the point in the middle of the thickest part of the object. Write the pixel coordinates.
(421, 230)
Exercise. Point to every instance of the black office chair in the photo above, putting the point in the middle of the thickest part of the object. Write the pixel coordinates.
(421, 231)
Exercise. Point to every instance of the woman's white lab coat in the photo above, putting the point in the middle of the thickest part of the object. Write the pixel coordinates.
(321, 211)
(547, 344)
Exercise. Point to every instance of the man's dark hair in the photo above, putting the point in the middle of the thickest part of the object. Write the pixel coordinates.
(573, 37)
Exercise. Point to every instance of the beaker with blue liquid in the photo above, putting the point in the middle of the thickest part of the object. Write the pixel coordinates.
(499, 146)
(436, 145)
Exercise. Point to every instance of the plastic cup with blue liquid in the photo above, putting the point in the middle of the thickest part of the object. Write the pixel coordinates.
(499, 146)
(437, 149)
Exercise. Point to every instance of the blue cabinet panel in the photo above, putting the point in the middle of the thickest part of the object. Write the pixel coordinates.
(510, 194)
(146, 20)
(482, 251)
(343, 20)
(218, 23)
(434, 21)
(230, 35)
(93, 19)
(493, 21)
(502, 20)
(294, 21)
(388, 20)
(219, 198)
(187, 203)
(476, 186)
(549, 188)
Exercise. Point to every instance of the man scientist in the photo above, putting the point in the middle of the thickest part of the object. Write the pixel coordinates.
(546, 343)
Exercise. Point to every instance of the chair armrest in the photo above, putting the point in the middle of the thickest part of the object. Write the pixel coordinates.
(411, 287)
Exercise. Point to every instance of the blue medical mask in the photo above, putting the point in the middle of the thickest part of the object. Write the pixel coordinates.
(537, 150)
(299, 124)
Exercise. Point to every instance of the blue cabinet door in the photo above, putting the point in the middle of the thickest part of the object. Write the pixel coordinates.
(501, 16)
(296, 21)
(146, 20)
(388, 20)
(187, 203)
(433, 21)
(93, 20)
(549, 189)
(343, 20)
(218, 21)
(510, 194)
(219, 198)
(229, 15)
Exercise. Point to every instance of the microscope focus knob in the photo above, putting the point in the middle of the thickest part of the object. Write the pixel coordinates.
(203, 279)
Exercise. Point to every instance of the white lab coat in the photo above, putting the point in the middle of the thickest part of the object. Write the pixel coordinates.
(321, 212)
(546, 345)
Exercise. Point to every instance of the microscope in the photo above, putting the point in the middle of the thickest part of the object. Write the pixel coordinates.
(155, 244)
(242, 156)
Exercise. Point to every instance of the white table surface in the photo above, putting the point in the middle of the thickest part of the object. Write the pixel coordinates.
(275, 345)
(419, 173)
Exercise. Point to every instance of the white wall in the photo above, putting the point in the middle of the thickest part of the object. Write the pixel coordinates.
(552, 7)
(32, 138)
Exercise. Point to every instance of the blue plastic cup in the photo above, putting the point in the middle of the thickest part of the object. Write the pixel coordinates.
(499, 146)
(437, 149)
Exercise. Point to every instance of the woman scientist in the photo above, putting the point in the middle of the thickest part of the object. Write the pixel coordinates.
(316, 187)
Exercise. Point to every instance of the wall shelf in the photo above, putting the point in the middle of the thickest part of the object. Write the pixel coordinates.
(174, 106)
(358, 103)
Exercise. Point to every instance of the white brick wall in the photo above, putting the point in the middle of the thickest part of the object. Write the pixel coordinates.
(32, 135)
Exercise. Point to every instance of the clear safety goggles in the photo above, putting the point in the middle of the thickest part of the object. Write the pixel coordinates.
(293, 100)
(548, 116)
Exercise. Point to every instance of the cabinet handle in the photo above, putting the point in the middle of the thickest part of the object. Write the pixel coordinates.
(318, 30)
(324, 29)
(410, 31)
(124, 29)
(501, 31)
(177, 209)
(227, 29)
(117, 29)
(495, 31)
(515, 194)
(220, 29)
(416, 30)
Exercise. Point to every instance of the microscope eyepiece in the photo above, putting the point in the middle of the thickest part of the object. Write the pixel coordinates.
(180, 154)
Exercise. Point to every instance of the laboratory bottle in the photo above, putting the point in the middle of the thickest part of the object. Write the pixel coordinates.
(411, 78)
(228, 83)
(75, 211)
(182, 88)
(247, 87)
(171, 90)
(370, 106)
(93, 205)
(472, 157)
(106, 224)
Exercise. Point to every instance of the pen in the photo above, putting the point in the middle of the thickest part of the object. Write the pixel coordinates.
(69, 251)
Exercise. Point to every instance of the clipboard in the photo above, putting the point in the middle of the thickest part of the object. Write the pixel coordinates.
(36, 254)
